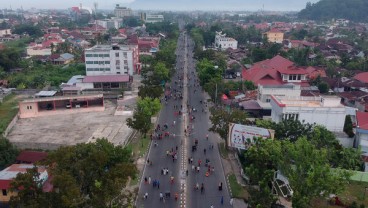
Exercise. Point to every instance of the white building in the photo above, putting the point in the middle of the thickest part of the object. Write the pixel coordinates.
(38, 51)
(122, 11)
(222, 42)
(323, 110)
(112, 60)
(265, 92)
(110, 23)
(152, 18)
(5, 32)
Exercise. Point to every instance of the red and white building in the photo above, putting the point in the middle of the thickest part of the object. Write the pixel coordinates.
(279, 71)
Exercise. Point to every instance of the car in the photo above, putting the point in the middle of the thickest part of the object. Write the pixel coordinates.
(194, 110)
(68, 106)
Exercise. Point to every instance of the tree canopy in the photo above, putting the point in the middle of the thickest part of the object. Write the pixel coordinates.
(8, 153)
(355, 10)
(84, 175)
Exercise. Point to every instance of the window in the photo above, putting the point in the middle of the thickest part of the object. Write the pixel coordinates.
(268, 100)
(117, 72)
(117, 62)
(89, 62)
(101, 62)
(89, 55)
(89, 69)
(116, 54)
(4, 192)
(106, 55)
(299, 77)
(126, 67)
(95, 62)
(95, 55)
(125, 54)
(107, 62)
(118, 67)
(29, 107)
(101, 55)
(125, 62)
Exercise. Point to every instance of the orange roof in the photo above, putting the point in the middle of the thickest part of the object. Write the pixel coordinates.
(362, 120)
(363, 77)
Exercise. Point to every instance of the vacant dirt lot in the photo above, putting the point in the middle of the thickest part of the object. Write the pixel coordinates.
(53, 131)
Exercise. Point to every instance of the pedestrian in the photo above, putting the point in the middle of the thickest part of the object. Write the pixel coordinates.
(187, 172)
(145, 196)
(193, 167)
(149, 180)
(222, 200)
(158, 184)
(161, 196)
(145, 180)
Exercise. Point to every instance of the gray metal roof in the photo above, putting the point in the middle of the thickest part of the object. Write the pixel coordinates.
(45, 93)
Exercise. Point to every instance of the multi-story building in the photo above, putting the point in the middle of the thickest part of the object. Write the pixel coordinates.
(122, 11)
(322, 110)
(274, 36)
(152, 18)
(110, 23)
(222, 42)
(265, 92)
(112, 60)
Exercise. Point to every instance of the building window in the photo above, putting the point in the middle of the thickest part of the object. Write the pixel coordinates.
(299, 77)
(125, 54)
(95, 55)
(106, 55)
(101, 55)
(125, 62)
(101, 62)
(29, 107)
(116, 54)
(117, 62)
(117, 72)
(268, 100)
(4, 192)
(89, 55)
(89, 62)
(107, 62)
(95, 62)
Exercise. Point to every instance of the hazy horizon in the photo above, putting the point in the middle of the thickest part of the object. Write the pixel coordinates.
(177, 5)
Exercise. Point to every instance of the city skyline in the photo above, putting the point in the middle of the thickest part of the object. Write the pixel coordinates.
(179, 5)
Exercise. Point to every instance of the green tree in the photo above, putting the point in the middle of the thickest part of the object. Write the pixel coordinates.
(161, 71)
(261, 163)
(323, 87)
(348, 126)
(309, 172)
(221, 119)
(8, 153)
(150, 91)
(146, 108)
(34, 31)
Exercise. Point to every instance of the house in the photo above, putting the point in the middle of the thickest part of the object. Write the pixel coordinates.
(300, 44)
(326, 111)
(279, 71)
(274, 36)
(121, 12)
(362, 131)
(222, 42)
(30, 157)
(8, 174)
(362, 77)
(105, 82)
(265, 92)
(61, 59)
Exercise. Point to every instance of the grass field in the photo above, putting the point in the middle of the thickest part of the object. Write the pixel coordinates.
(223, 151)
(354, 192)
(8, 109)
(237, 190)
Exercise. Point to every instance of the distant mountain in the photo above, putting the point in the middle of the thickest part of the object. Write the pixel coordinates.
(355, 10)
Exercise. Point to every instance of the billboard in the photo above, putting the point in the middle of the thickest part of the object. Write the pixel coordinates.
(241, 136)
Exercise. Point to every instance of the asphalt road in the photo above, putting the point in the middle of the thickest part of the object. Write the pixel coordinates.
(183, 133)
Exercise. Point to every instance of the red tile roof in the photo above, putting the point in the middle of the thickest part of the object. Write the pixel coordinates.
(362, 120)
(267, 71)
(5, 184)
(106, 78)
(363, 77)
(31, 156)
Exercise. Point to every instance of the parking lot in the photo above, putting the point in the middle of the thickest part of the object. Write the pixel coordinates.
(53, 131)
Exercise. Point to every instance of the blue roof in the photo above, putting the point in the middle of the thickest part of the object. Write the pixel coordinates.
(67, 56)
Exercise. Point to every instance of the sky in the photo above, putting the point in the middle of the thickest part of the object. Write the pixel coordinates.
(232, 5)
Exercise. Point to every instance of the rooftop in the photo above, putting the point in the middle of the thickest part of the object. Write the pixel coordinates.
(12, 171)
(313, 102)
(106, 78)
(110, 47)
(362, 120)
(71, 97)
(31, 156)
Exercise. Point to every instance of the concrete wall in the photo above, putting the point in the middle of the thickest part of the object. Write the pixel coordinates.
(7, 197)
(11, 125)
(28, 110)
(332, 118)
